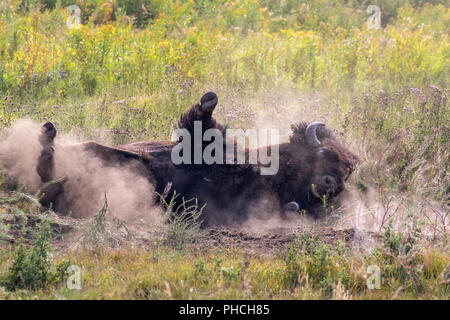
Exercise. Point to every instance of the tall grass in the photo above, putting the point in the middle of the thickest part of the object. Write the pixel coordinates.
(190, 44)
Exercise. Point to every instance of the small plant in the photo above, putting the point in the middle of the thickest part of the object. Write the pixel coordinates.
(391, 240)
(31, 267)
(402, 244)
(97, 232)
(200, 267)
(401, 252)
(230, 273)
(310, 255)
(184, 221)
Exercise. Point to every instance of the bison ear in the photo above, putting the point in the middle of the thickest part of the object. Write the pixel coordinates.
(298, 133)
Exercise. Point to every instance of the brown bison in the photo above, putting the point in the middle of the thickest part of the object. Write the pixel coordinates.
(313, 165)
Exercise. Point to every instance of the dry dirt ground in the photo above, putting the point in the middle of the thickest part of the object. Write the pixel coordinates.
(73, 233)
(279, 238)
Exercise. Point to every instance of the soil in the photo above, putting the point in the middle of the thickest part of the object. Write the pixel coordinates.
(70, 233)
(281, 238)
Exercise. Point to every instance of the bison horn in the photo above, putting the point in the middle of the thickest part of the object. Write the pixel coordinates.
(311, 134)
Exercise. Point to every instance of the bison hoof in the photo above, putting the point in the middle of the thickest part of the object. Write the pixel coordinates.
(48, 133)
(208, 102)
(291, 206)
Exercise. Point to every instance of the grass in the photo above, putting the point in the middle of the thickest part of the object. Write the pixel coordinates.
(133, 67)
(31, 268)
(329, 271)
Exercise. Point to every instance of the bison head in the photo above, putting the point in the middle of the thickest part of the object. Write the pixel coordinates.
(313, 166)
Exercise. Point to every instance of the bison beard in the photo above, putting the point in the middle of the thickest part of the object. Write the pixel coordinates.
(312, 165)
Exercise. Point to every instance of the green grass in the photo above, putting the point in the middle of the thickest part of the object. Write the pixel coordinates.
(330, 271)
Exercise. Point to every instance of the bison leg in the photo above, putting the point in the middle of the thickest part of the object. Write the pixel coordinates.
(51, 189)
(46, 163)
(201, 112)
(63, 199)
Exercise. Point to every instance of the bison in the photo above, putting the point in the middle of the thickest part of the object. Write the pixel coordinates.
(313, 165)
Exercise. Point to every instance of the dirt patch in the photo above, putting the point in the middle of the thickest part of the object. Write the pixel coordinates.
(22, 227)
(280, 238)
(69, 233)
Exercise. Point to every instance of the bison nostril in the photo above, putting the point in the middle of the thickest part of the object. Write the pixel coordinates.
(328, 180)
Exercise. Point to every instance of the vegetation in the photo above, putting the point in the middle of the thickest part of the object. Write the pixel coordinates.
(129, 70)
(184, 222)
(311, 269)
(30, 268)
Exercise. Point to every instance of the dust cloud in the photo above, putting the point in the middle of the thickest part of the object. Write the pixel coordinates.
(19, 152)
(129, 193)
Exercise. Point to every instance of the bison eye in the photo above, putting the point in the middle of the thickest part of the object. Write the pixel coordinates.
(327, 154)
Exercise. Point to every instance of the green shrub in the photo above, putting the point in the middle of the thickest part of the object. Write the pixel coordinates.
(31, 267)
(310, 255)
(142, 10)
